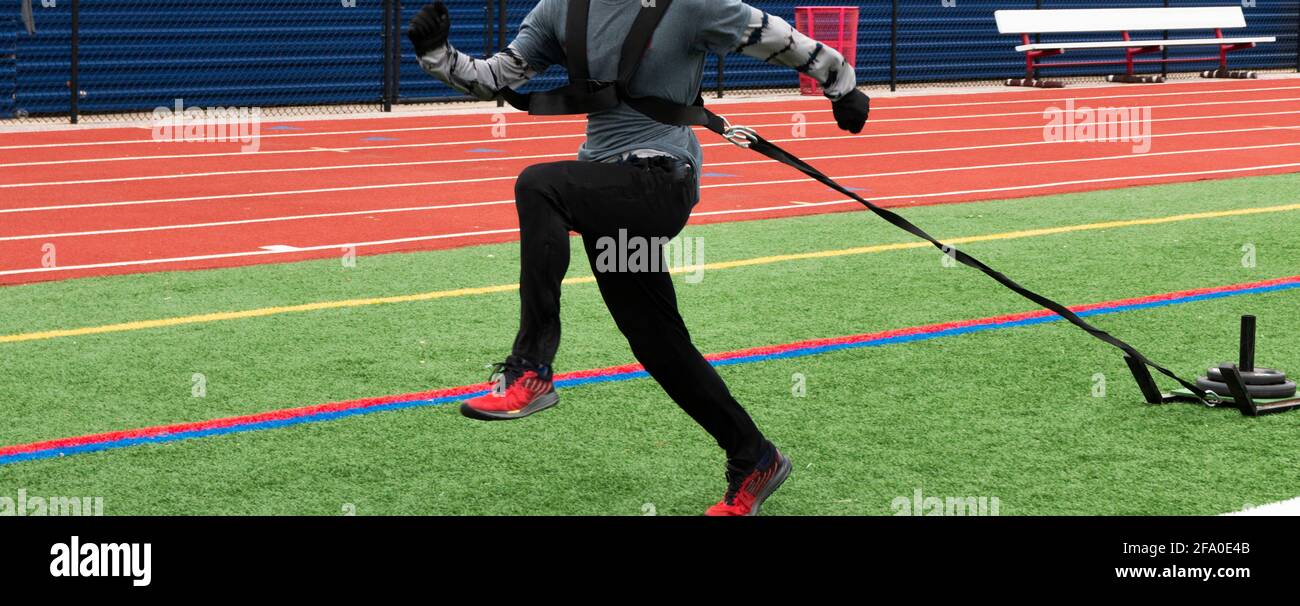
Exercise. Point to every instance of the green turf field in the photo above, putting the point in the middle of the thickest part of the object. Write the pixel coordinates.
(1007, 414)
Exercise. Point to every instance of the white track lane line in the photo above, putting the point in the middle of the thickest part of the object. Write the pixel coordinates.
(127, 230)
(915, 133)
(331, 189)
(255, 171)
(580, 135)
(253, 253)
(820, 109)
(906, 152)
(786, 207)
(793, 139)
(1010, 165)
(234, 196)
(583, 134)
(1033, 186)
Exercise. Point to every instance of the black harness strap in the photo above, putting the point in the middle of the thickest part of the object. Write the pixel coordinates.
(581, 95)
(638, 38)
(575, 41)
(584, 95)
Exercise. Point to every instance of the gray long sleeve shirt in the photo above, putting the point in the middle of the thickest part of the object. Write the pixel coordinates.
(672, 67)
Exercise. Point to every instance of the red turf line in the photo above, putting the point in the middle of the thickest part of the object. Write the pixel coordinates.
(289, 413)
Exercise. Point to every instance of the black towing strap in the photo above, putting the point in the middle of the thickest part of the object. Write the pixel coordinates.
(747, 138)
(584, 95)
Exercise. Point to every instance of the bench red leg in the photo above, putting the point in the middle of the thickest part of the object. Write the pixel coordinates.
(1128, 57)
(1129, 77)
(1223, 71)
(1029, 59)
(1031, 64)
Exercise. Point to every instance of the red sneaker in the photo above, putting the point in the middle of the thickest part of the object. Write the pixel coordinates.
(747, 489)
(523, 391)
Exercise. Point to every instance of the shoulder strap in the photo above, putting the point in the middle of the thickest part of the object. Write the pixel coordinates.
(575, 40)
(634, 45)
(638, 38)
(634, 48)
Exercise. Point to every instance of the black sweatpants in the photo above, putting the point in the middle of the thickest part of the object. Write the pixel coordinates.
(648, 198)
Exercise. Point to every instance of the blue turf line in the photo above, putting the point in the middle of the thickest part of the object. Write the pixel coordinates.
(811, 350)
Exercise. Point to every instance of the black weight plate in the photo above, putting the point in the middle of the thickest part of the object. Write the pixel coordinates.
(1259, 376)
(1281, 390)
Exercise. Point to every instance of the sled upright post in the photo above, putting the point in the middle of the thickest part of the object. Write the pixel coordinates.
(1239, 379)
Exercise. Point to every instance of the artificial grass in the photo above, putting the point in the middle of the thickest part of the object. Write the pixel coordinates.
(1006, 414)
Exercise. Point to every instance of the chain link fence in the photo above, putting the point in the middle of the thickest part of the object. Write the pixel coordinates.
(123, 56)
(126, 57)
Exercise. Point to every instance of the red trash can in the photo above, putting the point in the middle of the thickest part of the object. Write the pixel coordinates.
(834, 26)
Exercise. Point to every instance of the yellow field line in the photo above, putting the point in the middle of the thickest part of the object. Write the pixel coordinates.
(1010, 235)
(484, 290)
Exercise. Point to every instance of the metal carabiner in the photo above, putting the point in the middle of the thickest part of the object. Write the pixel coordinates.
(740, 136)
(1212, 399)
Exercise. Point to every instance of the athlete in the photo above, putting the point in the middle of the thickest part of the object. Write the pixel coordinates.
(635, 177)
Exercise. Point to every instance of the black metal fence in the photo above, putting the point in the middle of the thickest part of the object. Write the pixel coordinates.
(77, 57)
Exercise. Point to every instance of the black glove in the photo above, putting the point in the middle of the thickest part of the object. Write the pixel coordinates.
(851, 111)
(429, 29)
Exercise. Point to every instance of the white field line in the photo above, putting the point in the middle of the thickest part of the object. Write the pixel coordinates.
(1289, 507)
(341, 247)
(254, 171)
(499, 140)
(820, 103)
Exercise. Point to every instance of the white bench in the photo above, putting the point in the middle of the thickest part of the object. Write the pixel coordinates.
(1125, 20)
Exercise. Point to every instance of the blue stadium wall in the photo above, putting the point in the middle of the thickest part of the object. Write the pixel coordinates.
(140, 54)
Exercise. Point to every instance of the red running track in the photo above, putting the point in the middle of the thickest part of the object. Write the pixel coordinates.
(114, 200)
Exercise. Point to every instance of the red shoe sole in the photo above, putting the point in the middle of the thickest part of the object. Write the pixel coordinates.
(541, 403)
